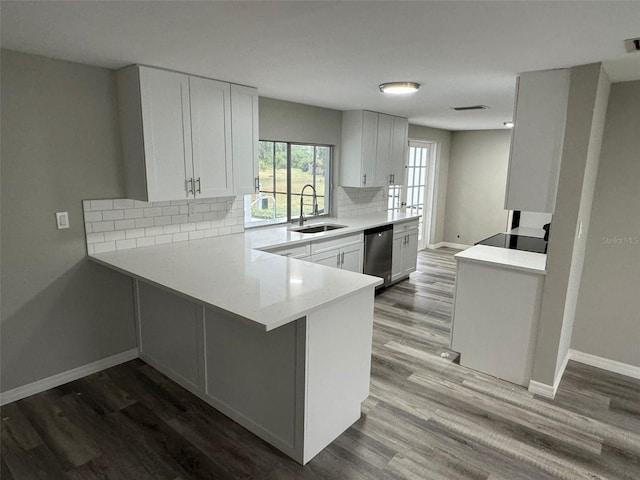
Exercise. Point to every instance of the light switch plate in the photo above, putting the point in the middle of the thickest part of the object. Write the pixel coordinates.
(62, 219)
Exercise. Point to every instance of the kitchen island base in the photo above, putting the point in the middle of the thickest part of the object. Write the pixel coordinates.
(298, 386)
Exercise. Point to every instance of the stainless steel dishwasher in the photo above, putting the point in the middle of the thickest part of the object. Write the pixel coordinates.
(378, 246)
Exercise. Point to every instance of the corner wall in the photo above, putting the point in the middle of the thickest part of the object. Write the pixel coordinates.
(586, 113)
(607, 321)
(60, 145)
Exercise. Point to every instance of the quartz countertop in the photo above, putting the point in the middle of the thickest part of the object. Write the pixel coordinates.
(231, 274)
(506, 258)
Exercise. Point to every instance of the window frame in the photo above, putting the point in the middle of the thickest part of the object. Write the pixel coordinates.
(290, 195)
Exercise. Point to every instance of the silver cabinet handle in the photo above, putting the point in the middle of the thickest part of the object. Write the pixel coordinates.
(364, 181)
(190, 186)
(197, 182)
(338, 260)
(257, 183)
(342, 258)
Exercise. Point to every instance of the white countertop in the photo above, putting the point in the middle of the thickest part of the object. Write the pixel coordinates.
(228, 272)
(505, 257)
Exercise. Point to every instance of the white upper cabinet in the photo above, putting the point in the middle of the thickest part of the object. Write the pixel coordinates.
(244, 121)
(167, 141)
(537, 140)
(178, 135)
(359, 136)
(373, 149)
(211, 137)
(399, 144)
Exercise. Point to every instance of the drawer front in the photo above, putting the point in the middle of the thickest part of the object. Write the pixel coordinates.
(299, 250)
(400, 228)
(331, 243)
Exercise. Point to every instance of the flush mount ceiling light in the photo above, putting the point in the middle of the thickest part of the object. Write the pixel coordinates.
(508, 124)
(399, 88)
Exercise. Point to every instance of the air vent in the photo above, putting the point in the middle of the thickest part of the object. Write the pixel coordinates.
(632, 45)
(470, 107)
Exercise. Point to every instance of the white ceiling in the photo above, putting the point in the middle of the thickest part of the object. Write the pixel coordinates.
(334, 54)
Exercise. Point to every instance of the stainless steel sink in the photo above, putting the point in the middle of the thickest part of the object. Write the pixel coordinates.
(317, 228)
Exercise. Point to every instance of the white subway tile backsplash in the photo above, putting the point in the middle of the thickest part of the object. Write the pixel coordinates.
(134, 213)
(124, 224)
(145, 241)
(143, 222)
(103, 226)
(93, 216)
(135, 233)
(126, 244)
(113, 236)
(101, 205)
(153, 212)
(121, 224)
(113, 214)
(123, 203)
(196, 234)
(95, 238)
(160, 221)
(180, 237)
(162, 239)
(153, 231)
(104, 247)
(171, 229)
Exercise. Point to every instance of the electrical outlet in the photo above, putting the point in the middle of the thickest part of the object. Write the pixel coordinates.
(229, 206)
(62, 220)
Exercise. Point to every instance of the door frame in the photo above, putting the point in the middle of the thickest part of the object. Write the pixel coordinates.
(431, 187)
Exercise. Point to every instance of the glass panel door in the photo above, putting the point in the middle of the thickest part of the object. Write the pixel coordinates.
(416, 180)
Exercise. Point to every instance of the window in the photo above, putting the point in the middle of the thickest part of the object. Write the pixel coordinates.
(285, 168)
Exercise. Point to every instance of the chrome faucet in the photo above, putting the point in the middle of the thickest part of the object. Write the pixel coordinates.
(315, 202)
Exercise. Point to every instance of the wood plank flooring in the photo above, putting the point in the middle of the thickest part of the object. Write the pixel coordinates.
(426, 417)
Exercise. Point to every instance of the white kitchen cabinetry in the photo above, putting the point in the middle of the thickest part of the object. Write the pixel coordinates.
(343, 252)
(373, 149)
(496, 311)
(537, 140)
(244, 129)
(359, 137)
(178, 135)
(405, 250)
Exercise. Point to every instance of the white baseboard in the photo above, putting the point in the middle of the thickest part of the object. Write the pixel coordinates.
(66, 377)
(457, 246)
(549, 391)
(605, 364)
(434, 246)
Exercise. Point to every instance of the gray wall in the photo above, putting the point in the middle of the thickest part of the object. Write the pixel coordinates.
(60, 145)
(476, 186)
(586, 113)
(443, 148)
(608, 313)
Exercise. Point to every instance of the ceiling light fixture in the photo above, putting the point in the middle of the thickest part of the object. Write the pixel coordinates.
(399, 88)
(508, 124)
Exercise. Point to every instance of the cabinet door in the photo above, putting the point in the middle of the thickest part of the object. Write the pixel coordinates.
(244, 133)
(399, 143)
(369, 142)
(166, 125)
(537, 141)
(396, 258)
(410, 253)
(383, 150)
(330, 258)
(351, 258)
(211, 137)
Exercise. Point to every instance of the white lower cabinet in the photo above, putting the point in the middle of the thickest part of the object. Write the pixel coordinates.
(279, 384)
(405, 250)
(343, 252)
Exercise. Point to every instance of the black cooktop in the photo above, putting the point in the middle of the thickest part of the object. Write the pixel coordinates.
(516, 242)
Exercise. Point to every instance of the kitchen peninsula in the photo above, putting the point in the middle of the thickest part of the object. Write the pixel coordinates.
(280, 345)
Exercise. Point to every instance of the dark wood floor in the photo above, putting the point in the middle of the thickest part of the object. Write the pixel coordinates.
(426, 418)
